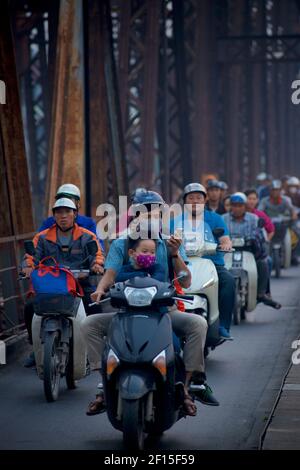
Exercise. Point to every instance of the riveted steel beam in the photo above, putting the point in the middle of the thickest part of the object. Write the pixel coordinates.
(67, 148)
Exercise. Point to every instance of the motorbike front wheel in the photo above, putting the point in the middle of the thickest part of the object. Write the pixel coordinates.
(133, 424)
(237, 304)
(276, 263)
(51, 366)
(71, 383)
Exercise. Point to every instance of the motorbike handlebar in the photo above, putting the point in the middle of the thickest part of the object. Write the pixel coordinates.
(105, 298)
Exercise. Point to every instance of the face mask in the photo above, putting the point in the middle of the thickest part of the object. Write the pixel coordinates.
(293, 190)
(145, 261)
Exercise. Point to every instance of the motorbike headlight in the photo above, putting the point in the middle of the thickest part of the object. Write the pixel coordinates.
(112, 362)
(237, 256)
(160, 363)
(238, 242)
(140, 297)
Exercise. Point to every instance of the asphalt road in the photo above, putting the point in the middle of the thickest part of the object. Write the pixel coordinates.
(245, 375)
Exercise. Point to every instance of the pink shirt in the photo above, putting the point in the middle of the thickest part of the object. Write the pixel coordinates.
(269, 226)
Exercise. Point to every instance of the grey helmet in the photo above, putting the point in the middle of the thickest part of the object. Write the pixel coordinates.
(276, 184)
(194, 188)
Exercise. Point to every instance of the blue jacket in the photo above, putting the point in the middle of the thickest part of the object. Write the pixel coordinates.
(81, 220)
(128, 271)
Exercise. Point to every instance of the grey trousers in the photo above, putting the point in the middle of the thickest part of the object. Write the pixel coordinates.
(193, 327)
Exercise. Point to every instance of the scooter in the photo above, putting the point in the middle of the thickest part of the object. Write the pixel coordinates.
(205, 283)
(58, 345)
(281, 245)
(143, 392)
(242, 265)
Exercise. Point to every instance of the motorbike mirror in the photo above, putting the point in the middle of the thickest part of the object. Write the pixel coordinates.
(29, 247)
(218, 232)
(92, 248)
(261, 223)
(208, 283)
(181, 275)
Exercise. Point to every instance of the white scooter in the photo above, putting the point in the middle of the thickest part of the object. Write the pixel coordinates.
(205, 283)
(242, 265)
(58, 344)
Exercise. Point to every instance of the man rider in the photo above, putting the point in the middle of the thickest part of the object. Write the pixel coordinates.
(194, 198)
(66, 242)
(263, 185)
(277, 204)
(243, 224)
(72, 192)
(214, 197)
(192, 327)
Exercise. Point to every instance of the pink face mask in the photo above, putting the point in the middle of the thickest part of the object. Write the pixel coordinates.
(145, 261)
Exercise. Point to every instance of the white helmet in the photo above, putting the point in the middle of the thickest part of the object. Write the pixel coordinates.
(68, 190)
(194, 188)
(293, 181)
(64, 202)
(261, 177)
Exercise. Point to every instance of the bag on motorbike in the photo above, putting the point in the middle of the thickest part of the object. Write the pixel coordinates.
(54, 289)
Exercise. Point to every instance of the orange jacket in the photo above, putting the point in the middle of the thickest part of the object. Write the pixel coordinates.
(46, 244)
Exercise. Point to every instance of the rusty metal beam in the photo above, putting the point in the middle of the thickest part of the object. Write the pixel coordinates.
(204, 85)
(67, 148)
(12, 144)
(96, 108)
(233, 93)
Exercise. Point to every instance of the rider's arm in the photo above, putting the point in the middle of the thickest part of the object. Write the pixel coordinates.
(177, 253)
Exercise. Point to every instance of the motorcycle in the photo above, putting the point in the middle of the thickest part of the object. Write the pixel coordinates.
(205, 283)
(242, 265)
(58, 345)
(281, 244)
(143, 392)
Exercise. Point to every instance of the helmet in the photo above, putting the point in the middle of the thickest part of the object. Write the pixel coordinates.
(293, 181)
(213, 184)
(238, 198)
(223, 185)
(143, 196)
(276, 184)
(68, 190)
(194, 188)
(64, 202)
(261, 177)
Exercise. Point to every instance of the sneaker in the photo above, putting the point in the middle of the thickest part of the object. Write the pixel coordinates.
(30, 361)
(203, 393)
(224, 334)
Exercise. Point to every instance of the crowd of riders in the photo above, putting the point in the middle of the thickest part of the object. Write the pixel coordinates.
(65, 234)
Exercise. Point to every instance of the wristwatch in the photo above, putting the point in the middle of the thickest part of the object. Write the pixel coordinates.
(175, 256)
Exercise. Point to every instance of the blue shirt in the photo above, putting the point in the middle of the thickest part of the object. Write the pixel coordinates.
(245, 228)
(212, 220)
(116, 255)
(81, 220)
(128, 271)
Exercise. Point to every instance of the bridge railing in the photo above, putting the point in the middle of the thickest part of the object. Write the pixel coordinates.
(12, 291)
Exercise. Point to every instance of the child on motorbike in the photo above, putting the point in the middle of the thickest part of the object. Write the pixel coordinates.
(142, 262)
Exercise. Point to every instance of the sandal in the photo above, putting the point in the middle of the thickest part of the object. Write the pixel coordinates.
(269, 301)
(189, 407)
(97, 406)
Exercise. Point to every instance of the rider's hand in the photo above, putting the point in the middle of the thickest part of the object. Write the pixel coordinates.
(174, 244)
(225, 245)
(97, 268)
(96, 296)
(27, 271)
